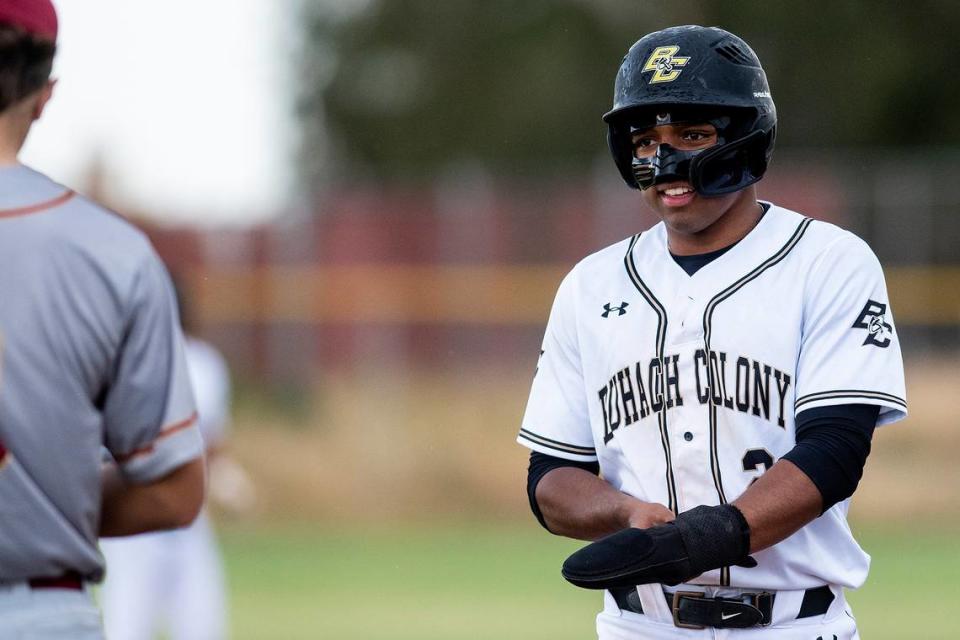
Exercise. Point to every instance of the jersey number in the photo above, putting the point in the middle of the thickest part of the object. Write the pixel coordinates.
(754, 459)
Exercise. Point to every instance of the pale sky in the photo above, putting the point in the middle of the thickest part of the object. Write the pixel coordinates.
(185, 102)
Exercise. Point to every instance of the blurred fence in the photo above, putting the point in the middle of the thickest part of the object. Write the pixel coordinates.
(462, 274)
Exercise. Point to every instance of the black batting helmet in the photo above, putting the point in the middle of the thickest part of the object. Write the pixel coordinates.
(694, 73)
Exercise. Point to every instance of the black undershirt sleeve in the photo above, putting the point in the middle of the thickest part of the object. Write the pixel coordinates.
(832, 447)
(540, 464)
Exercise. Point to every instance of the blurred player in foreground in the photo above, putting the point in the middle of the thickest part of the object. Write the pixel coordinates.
(173, 581)
(90, 357)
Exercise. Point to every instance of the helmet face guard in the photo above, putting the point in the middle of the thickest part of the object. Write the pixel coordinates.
(718, 170)
(697, 74)
(666, 165)
(730, 167)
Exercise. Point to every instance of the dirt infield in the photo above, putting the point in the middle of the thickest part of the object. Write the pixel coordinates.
(404, 445)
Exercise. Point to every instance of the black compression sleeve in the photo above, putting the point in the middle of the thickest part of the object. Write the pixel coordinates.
(832, 447)
(540, 464)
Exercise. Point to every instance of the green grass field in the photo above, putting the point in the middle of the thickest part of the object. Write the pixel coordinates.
(452, 582)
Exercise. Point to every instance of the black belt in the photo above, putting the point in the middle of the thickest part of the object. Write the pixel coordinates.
(68, 580)
(693, 610)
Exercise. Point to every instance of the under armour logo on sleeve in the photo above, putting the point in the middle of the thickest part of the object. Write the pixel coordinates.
(609, 308)
(873, 319)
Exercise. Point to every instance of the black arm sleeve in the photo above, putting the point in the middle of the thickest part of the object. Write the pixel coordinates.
(540, 464)
(832, 447)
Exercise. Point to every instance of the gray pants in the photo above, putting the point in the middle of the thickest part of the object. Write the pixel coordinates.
(48, 614)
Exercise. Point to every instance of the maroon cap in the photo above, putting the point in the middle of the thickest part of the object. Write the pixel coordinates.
(36, 17)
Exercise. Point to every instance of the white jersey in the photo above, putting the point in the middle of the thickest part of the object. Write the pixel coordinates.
(685, 388)
(210, 378)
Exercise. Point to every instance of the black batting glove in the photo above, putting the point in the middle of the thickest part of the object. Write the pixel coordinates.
(699, 540)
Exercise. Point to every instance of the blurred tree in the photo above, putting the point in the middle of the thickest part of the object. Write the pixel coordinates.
(858, 72)
(419, 85)
(402, 90)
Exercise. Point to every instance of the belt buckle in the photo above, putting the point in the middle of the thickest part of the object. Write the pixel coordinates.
(755, 600)
(675, 606)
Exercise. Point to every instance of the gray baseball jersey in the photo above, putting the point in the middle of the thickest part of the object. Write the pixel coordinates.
(91, 357)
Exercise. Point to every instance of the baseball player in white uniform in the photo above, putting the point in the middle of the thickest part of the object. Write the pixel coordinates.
(173, 581)
(722, 371)
(90, 357)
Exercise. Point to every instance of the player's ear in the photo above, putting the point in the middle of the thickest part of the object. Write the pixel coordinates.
(43, 97)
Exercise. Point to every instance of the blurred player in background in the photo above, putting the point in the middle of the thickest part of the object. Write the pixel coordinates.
(91, 357)
(173, 581)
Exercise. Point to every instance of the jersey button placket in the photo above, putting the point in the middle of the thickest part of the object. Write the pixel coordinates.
(684, 457)
(688, 421)
(685, 310)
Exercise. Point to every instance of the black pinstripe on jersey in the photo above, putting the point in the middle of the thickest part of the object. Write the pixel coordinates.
(707, 329)
(556, 444)
(853, 395)
(661, 339)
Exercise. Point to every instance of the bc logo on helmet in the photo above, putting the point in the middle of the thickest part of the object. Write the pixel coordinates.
(664, 63)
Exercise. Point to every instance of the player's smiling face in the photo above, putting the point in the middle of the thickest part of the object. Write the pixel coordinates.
(672, 198)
